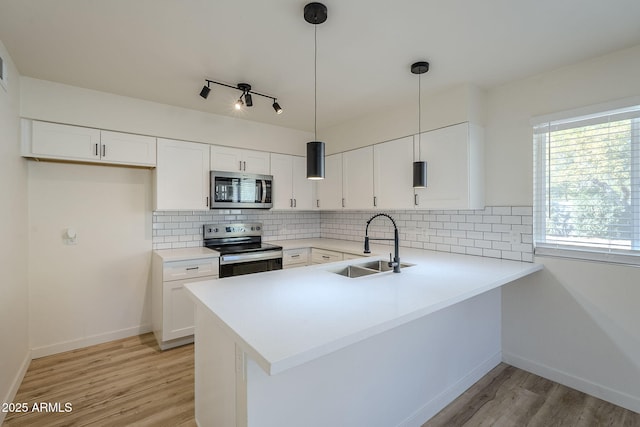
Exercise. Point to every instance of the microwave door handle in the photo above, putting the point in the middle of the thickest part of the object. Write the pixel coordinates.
(263, 197)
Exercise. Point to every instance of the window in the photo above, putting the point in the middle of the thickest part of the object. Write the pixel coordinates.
(587, 185)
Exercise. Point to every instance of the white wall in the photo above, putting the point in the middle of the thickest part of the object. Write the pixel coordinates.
(577, 322)
(55, 102)
(14, 333)
(98, 289)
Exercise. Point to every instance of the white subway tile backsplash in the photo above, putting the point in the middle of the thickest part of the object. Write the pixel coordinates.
(485, 232)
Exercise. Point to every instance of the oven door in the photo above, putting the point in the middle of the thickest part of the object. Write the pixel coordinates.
(237, 265)
(240, 190)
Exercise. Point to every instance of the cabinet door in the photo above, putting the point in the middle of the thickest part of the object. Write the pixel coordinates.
(393, 174)
(330, 188)
(282, 171)
(357, 178)
(256, 162)
(178, 311)
(125, 148)
(455, 172)
(226, 159)
(53, 140)
(238, 160)
(182, 175)
(304, 190)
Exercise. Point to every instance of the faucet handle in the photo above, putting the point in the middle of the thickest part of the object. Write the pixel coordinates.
(390, 260)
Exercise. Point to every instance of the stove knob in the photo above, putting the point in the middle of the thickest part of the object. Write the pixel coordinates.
(258, 228)
(253, 228)
(215, 230)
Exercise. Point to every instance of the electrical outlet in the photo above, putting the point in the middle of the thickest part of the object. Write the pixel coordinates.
(514, 237)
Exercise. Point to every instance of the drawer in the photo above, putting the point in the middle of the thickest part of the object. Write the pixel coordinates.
(352, 256)
(179, 270)
(320, 256)
(295, 257)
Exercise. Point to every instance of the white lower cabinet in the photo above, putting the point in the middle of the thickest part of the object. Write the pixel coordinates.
(295, 257)
(347, 256)
(321, 256)
(172, 308)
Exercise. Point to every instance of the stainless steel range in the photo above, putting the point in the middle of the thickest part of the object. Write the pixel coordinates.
(241, 249)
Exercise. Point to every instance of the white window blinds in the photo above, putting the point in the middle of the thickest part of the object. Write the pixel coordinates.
(587, 186)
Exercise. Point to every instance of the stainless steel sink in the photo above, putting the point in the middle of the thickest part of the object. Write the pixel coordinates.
(368, 268)
(380, 265)
(355, 271)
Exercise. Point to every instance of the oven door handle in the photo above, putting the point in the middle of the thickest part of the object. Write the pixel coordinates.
(256, 256)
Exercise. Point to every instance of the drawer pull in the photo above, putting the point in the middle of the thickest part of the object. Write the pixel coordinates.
(325, 257)
(192, 268)
(295, 256)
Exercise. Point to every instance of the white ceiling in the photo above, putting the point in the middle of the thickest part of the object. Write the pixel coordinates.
(162, 50)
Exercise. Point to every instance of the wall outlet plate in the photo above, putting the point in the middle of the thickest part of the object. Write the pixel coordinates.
(514, 237)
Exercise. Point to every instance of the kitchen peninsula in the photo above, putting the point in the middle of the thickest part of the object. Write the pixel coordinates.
(307, 346)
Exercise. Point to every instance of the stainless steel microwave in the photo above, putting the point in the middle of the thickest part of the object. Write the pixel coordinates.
(239, 190)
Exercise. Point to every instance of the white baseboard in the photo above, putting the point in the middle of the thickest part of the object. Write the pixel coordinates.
(435, 405)
(597, 390)
(15, 385)
(87, 341)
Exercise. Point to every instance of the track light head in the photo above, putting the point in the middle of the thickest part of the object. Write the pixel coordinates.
(205, 91)
(248, 100)
(277, 107)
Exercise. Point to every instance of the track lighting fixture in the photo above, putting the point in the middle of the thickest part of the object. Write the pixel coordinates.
(419, 166)
(247, 93)
(315, 13)
(205, 91)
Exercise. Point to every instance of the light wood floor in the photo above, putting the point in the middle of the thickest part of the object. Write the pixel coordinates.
(121, 383)
(509, 396)
(131, 382)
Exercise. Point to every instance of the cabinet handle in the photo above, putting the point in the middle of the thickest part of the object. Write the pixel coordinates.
(343, 202)
(295, 256)
(207, 201)
(317, 203)
(325, 257)
(375, 201)
(96, 149)
(290, 203)
(192, 268)
(244, 166)
(295, 203)
(240, 165)
(104, 150)
(415, 200)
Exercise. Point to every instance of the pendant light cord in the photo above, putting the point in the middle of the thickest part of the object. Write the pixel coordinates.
(419, 118)
(315, 82)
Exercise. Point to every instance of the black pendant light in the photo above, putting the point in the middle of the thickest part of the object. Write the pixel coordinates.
(315, 13)
(420, 166)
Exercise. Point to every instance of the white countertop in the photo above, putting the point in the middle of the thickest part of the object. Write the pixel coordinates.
(183, 254)
(288, 317)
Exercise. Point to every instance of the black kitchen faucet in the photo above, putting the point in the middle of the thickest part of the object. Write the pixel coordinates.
(396, 242)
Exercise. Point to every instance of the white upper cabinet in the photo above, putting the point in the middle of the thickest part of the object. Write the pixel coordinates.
(125, 148)
(393, 174)
(357, 178)
(182, 175)
(239, 160)
(75, 143)
(291, 188)
(455, 167)
(330, 188)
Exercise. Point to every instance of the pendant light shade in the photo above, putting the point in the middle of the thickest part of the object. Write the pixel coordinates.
(315, 160)
(419, 174)
(315, 14)
(419, 166)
